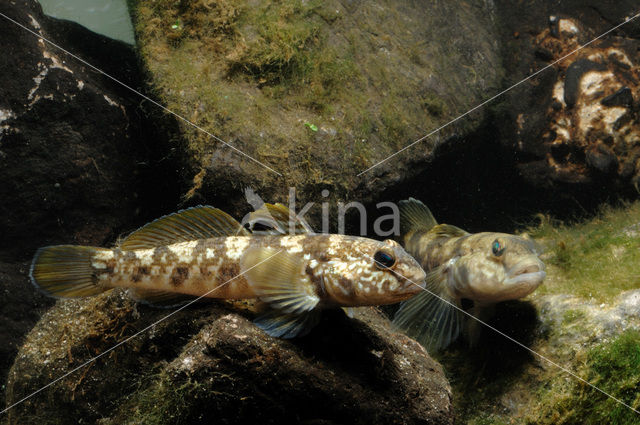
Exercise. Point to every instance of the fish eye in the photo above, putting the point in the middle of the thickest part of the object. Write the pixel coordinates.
(384, 260)
(497, 248)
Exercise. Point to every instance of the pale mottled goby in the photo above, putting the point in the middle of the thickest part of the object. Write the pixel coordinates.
(202, 250)
(464, 271)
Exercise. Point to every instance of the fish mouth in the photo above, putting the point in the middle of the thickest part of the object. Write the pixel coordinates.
(415, 285)
(532, 278)
(527, 272)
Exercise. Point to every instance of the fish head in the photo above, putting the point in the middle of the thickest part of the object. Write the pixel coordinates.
(496, 267)
(370, 272)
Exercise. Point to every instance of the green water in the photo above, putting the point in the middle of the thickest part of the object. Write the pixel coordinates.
(108, 17)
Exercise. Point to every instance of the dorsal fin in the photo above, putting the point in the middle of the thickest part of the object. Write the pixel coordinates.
(276, 217)
(195, 223)
(448, 230)
(414, 215)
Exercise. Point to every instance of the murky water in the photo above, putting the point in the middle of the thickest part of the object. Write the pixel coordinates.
(108, 17)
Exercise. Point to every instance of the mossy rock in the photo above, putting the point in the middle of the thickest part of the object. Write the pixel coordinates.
(318, 91)
(210, 364)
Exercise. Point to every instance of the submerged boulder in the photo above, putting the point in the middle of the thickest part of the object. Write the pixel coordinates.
(318, 91)
(75, 163)
(575, 127)
(73, 143)
(211, 364)
(599, 343)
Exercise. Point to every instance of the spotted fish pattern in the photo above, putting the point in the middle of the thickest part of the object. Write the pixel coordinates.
(203, 251)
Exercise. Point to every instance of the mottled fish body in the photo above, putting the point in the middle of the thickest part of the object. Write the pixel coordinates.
(203, 251)
(483, 268)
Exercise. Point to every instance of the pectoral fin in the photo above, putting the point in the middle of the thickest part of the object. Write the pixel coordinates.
(431, 317)
(279, 279)
(286, 325)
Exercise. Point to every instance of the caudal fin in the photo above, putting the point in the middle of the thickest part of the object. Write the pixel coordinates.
(66, 271)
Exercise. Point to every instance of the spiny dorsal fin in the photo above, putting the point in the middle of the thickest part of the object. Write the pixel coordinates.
(428, 319)
(159, 298)
(447, 230)
(414, 215)
(276, 217)
(279, 279)
(201, 222)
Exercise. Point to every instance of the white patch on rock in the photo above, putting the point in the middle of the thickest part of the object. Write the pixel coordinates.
(80, 84)
(6, 114)
(56, 62)
(34, 23)
(619, 55)
(567, 26)
(38, 79)
(590, 115)
(558, 92)
(595, 81)
(109, 101)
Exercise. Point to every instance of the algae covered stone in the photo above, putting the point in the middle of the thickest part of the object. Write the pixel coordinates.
(210, 364)
(318, 91)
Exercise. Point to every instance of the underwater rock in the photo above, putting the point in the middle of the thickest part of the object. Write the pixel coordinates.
(71, 142)
(574, 127)
(75, 162)
(20, 308)
(211, 364)
(511, 385)
(268, 77)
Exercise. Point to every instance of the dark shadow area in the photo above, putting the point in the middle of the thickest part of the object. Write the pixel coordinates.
(353, 347)
(490, 366)
(475, 184)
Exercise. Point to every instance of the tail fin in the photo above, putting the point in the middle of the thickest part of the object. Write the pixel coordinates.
(65, 271)
(414, 215)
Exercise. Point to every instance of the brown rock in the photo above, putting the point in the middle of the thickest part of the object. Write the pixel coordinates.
(211, 364)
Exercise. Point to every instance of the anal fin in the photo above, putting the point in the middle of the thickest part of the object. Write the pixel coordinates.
(160, 299)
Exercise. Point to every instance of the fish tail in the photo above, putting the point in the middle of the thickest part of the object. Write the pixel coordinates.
(66, 271)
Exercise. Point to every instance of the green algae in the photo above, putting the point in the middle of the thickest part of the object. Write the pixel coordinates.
(596, 258)
(370, 77)
(164, 401)
(614, 367)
